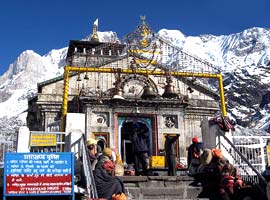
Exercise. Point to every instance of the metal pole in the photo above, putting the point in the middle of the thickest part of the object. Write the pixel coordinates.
(221, 94)
(64, 104)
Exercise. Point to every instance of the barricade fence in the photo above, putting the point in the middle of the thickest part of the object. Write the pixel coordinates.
(8, 143)
(253, 148)
(248, 155)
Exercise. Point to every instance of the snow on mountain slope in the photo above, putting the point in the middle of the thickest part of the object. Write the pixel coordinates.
(20, 81)
(244, 60)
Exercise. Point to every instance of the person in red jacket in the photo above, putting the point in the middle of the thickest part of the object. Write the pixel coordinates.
(194, 152)
(230, 182)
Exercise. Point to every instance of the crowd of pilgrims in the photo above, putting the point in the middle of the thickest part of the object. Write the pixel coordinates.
(210, 169)
(106, 166)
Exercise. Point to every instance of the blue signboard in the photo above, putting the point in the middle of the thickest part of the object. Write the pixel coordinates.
(28, 174)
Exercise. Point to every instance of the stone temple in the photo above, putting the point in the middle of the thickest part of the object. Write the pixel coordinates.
(110, 87)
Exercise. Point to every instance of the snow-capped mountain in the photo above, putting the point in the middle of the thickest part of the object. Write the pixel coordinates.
(20, 81)
(243, 58)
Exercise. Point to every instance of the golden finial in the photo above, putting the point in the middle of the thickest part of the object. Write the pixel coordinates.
(94, 34)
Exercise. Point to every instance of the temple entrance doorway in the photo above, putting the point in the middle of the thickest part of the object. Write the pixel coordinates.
(127, 127)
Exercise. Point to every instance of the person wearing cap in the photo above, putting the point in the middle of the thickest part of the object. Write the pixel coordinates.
(211, 176)
(105, 156)
(171, 153)
(194, 152)
(107, 152)
(92, 149)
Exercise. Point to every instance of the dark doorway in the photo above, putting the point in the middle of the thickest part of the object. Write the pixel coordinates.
(127, 131)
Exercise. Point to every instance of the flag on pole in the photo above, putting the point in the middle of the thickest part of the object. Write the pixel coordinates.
(96, 22)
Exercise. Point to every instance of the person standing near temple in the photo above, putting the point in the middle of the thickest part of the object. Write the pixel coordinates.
(194, 152)
(171, 153)
(141, 151)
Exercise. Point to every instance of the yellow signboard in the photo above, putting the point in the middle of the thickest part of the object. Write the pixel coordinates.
(42, 140)
(158, 161)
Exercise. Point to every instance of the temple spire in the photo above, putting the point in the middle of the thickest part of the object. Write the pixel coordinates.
(95, 28)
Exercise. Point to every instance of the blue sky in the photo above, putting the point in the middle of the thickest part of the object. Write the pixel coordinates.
(42, 25)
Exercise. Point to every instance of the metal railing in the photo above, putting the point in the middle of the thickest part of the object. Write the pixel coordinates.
(249, 161)
(81, 152)
(254, 150)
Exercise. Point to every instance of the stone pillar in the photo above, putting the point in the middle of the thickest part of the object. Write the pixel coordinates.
(43, 122)
(23, 140)
(209, 134)
(212, 138)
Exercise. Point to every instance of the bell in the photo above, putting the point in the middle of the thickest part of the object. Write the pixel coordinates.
(137, 111)
(148, 93)
(79, 78)
(190, 89)
(86, 77)
(118, 95)
(169, 91)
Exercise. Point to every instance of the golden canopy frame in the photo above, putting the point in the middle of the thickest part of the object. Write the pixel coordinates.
(69, 69)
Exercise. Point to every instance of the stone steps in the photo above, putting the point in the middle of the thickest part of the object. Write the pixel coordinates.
(163, 193)
(160, 187)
